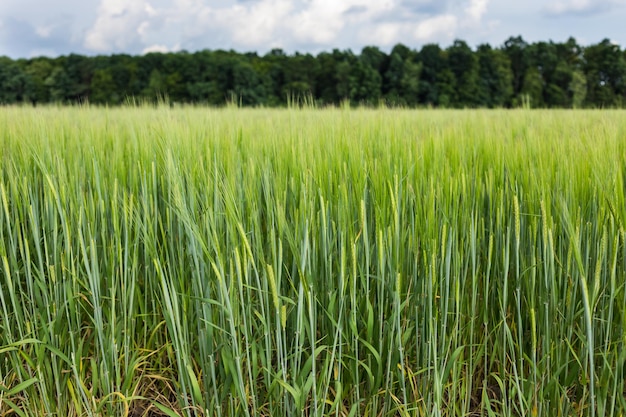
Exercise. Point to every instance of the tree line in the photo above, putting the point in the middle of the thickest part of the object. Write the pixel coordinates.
(517, 73)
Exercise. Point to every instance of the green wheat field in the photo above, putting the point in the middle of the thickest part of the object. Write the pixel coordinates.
(166, 261)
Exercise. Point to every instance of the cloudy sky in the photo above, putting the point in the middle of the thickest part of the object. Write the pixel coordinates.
(54, 27)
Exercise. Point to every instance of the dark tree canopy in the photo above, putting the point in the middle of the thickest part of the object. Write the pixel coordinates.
(541, 74)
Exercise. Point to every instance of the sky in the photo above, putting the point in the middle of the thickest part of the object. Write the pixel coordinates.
(31, 28)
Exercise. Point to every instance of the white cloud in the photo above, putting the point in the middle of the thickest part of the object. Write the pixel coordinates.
(318, 23)
(253, 25)
(427, 21)
(135, 26)
(50, 29)
(150, 10)
(476, 9)
(455, 22)
(264, 24)
(118, 24)
(444, 26)
(581, 7)
(143, 28)
(44, 31)
(155, 48)
(383, 34)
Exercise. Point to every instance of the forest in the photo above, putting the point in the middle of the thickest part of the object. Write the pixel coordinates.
(516, 73)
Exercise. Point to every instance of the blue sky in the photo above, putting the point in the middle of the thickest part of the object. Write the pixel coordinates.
(42, 27)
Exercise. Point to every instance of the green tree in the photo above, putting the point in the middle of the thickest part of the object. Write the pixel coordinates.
(515, 49)
(557, 86)
(157, 88)
(343, 80)
(401, 78)
(434, 74)
(410, 82)
(495, 78)
(365, 83)
(571, 52)
(374, 58)
(60, 85)
(210, 77)
(37, 71)
(125, 72)
(578, 89)
(554, 70)
(79, 71)
(544, 74)
(12, 82)
(463, 63)
(177, 70)
(446, 86)
(532, 88)
(605, 71)
(275, 63)
(103, 88)
(327, 90)
(299, 74)
(393, 79)
(175, 87)
(247, 88)
(206, 92)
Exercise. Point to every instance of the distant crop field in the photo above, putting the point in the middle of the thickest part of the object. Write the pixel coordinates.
(302, 262)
